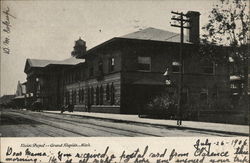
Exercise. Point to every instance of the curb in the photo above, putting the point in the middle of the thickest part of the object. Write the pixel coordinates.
(162, 125)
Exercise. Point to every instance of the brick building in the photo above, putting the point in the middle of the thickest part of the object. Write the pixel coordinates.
(124, 73)
(44, 81)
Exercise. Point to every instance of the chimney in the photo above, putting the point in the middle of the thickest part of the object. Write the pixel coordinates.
(79, 49)
(194, 32)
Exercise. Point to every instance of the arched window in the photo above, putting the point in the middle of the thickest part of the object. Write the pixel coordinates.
(97, 95)
(89, 96)
(100, 66)
(82, 95)
(111, 64)
(112, 100)
(79, 96)
(73, 97)
(101, 95)
(92, 96)
(67, 97)
(107, 93)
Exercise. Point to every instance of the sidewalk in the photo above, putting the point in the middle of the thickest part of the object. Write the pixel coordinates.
(241, 130)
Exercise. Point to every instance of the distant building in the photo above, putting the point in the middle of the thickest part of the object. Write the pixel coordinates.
(44, 81)
(21, 89)
(19, 99)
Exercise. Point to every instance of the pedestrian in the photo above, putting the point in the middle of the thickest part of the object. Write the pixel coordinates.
(179, 122)
(62, 109)
(179, 118)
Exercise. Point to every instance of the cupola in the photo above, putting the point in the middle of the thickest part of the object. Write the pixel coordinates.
(79, 48)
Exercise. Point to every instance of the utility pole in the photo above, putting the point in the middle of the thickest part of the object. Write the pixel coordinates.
(181, 21)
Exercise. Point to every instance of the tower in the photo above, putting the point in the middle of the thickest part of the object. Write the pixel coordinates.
(79, 48)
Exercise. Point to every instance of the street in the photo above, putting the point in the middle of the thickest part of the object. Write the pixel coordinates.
(23, 123)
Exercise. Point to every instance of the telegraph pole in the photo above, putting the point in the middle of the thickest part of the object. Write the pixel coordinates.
(181, 21)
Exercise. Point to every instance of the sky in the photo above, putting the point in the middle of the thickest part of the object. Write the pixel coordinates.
(48, 29)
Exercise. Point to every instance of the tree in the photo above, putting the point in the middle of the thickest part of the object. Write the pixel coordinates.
(228, 25)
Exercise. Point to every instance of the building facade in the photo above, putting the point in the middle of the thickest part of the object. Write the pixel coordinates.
(44, 81)
(123, 74)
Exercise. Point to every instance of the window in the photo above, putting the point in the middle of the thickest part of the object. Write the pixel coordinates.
(92, 96)
(72, 77)
(111, 64)
(112, 91)
(97, 95)
(89, 96)
(101, 95)
(144, 63)
(233, 86)
(204, 96)
(73, 97)
(176, 66)
(91, 71)
(107, 93)
(208, 68)
(77, 76)
(67, 97)
(100, 66)
(81, 96)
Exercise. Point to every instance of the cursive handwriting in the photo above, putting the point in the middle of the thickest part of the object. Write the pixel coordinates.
(6, 22)
(7, 29)
(205, 151)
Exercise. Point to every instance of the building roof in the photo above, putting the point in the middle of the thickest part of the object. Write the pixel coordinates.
(69, 61)
(154, 34)
(149, 34)
(39, 62)
(31, 63)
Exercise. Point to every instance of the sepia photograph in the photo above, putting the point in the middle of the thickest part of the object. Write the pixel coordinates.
(131, 68)
(133, 81)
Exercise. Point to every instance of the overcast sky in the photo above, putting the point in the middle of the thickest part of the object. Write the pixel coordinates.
(47, 29)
